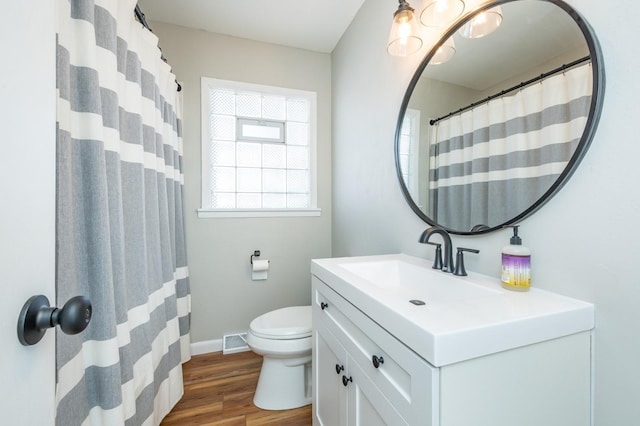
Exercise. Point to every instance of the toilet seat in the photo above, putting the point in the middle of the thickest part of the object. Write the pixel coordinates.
(293, 322)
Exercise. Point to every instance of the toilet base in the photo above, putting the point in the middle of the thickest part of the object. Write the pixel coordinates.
(284, 383)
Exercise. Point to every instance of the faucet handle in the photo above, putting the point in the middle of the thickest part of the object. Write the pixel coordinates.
(460, 271)
(437, 260)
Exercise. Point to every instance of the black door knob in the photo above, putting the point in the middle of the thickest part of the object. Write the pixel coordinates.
(323, 306)
(345, 380)
(74, 316)
(37, 316)
(339, 368)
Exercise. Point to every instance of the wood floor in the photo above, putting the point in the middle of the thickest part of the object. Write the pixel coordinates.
(218, 390)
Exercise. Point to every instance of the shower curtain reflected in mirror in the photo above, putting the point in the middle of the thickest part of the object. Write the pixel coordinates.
(493, 159)
(120, 227)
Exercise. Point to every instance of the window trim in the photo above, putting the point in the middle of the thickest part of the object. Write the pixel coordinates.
(213, 213)
(206, 84)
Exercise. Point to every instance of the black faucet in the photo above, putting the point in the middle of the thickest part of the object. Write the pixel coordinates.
(447, 264)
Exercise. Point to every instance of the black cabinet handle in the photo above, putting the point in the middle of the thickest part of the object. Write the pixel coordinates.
(377, 361)
(345, 380)
(339, 368)
(323, 305)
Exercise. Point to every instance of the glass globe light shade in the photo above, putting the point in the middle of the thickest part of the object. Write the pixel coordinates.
(482, 24)
(404, 39)
(441, 13)
(444, 52)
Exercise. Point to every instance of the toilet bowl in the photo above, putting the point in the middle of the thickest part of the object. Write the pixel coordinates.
(283, 338)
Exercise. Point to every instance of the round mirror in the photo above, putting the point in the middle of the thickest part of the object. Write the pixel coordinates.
(492, 126)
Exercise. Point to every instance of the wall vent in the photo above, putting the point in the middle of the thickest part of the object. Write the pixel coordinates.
(233, 343)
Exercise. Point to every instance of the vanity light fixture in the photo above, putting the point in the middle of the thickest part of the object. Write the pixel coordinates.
(404, 38)
(482, 24)
(444, 52)
(441, 13)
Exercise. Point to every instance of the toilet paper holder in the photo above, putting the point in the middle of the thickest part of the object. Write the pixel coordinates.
(256, 253)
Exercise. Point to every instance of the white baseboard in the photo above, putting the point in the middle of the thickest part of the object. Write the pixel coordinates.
(206, 347)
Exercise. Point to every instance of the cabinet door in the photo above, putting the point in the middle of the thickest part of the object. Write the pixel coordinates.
(366, 405)
(407, 381)
(329, 365)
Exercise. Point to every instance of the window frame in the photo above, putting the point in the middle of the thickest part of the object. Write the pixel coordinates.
(412, 176)
(204, 211)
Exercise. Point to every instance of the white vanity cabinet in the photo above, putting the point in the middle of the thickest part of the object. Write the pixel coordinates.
(399, 388)
(347, 397)
(547, 383)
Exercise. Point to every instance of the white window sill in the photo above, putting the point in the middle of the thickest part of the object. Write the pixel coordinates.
(221, 213)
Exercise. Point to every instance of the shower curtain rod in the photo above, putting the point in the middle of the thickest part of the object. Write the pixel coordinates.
(143, 21)
(542, 76)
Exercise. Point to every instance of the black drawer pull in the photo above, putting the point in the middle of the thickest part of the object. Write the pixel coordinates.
(345, 380)
(339, 368)
(323, 305)
(377, 361)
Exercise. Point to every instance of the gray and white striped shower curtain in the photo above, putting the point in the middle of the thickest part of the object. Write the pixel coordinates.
(490, 161)
(120, 228)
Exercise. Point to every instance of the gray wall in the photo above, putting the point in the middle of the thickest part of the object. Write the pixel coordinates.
(585, 242)
(224, 298)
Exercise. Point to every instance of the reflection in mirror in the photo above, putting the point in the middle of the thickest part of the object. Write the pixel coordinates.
(488, 136)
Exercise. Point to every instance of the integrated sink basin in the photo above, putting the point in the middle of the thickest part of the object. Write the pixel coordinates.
(409, 281)
(461, 317)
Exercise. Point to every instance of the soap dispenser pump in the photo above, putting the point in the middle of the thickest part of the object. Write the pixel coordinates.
(516, 264)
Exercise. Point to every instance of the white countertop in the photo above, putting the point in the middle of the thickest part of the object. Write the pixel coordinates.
(474, 316)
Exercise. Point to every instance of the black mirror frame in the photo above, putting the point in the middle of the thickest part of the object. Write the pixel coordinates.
(595, 109)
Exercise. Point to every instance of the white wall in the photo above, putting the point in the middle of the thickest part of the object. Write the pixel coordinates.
(585, 242)
(224, 298)
(27, 215)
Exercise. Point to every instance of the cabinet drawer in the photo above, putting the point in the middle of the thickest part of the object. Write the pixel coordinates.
(406, 380)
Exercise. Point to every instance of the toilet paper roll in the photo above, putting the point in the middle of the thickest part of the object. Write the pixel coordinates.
(259, 270)
(260, 265)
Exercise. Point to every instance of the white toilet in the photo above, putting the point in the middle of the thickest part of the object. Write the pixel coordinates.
(283, 338)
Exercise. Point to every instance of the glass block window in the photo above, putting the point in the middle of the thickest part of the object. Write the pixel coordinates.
(258, 146)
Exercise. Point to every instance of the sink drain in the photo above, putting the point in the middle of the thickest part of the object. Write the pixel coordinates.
(417, 302)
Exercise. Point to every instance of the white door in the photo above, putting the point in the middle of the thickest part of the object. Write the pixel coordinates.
(27, 204)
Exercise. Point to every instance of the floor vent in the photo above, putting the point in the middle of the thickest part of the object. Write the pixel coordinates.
(233, 343)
